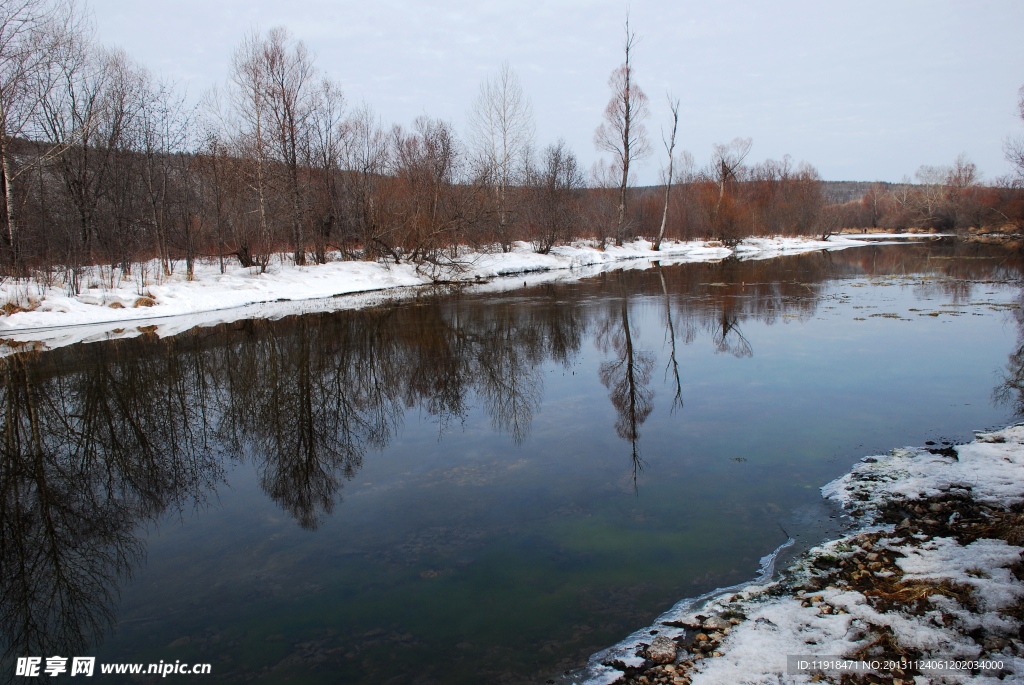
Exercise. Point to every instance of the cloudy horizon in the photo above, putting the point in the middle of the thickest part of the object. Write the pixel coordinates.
(866, 92)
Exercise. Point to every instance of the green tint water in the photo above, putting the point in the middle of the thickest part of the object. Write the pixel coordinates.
(489, 488)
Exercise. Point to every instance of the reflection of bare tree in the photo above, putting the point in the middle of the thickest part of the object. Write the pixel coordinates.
(437, 372)
(728, 337)
(561, 328)
(673, 365)
(1010, 390)
(627, 377)
(510, 383)
(89, 451)
(307, 402)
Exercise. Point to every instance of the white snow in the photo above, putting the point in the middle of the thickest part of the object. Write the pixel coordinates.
(990, 468)
(54, 311)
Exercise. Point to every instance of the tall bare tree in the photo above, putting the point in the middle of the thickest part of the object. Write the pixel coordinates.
(365, 148)
(288, 67)
(501, 134)
(670, 147)
(1014, 147)
(166, 124)
(622, 133)
(324, 153)
(250, 117)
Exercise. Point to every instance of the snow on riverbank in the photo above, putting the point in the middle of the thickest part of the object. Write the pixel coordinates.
(931, 575)
(109, 300)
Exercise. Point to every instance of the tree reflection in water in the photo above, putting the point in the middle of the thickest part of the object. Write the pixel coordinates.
(103, 438)
(1010, 390)
(89, 451)
(627, 376)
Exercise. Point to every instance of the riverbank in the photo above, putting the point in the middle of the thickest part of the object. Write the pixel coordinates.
(927, 591)
(110, 300)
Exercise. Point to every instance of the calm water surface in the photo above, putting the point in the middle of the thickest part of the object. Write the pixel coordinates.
(474, 488)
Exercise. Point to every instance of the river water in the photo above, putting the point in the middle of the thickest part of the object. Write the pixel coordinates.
(475, 488)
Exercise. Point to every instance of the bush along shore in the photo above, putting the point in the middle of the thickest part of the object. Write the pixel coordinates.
(929, 590)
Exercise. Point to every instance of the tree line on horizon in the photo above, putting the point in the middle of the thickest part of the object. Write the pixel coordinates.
(105, 164)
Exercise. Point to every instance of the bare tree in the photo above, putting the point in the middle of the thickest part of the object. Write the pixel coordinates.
(249, 87)
(931, 198)
(34, 39)
(622, 133)
(1014, 147)
(961, 182)
(93, 112)
(726, 161)
(670, 146)
(324, 154)
(501, 135)
(288, 67)
(365, 160)
(554, 211)
(166, 124)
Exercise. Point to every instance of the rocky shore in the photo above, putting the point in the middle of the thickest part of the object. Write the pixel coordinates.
(928, 591)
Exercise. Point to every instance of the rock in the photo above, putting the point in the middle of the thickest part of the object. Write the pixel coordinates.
(715, 623)
(662, 650)
(701, 637)
(995, 643)
(872, 557)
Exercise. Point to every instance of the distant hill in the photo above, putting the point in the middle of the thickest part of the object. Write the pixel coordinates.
(837, 192)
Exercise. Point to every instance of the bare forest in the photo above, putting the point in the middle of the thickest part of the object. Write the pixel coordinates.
(105, 164)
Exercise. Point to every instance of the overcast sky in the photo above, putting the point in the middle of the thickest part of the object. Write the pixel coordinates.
(862, 90)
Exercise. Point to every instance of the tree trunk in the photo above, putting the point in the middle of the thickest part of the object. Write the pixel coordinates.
(11, 236)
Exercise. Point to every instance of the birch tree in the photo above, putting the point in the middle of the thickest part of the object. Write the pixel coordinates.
(249, 86)
(501, 133)
(670, 146)
(623, 133)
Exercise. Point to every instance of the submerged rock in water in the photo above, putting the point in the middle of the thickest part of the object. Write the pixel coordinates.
(662, 650)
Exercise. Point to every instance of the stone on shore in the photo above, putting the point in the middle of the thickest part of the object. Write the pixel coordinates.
(662, 650)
